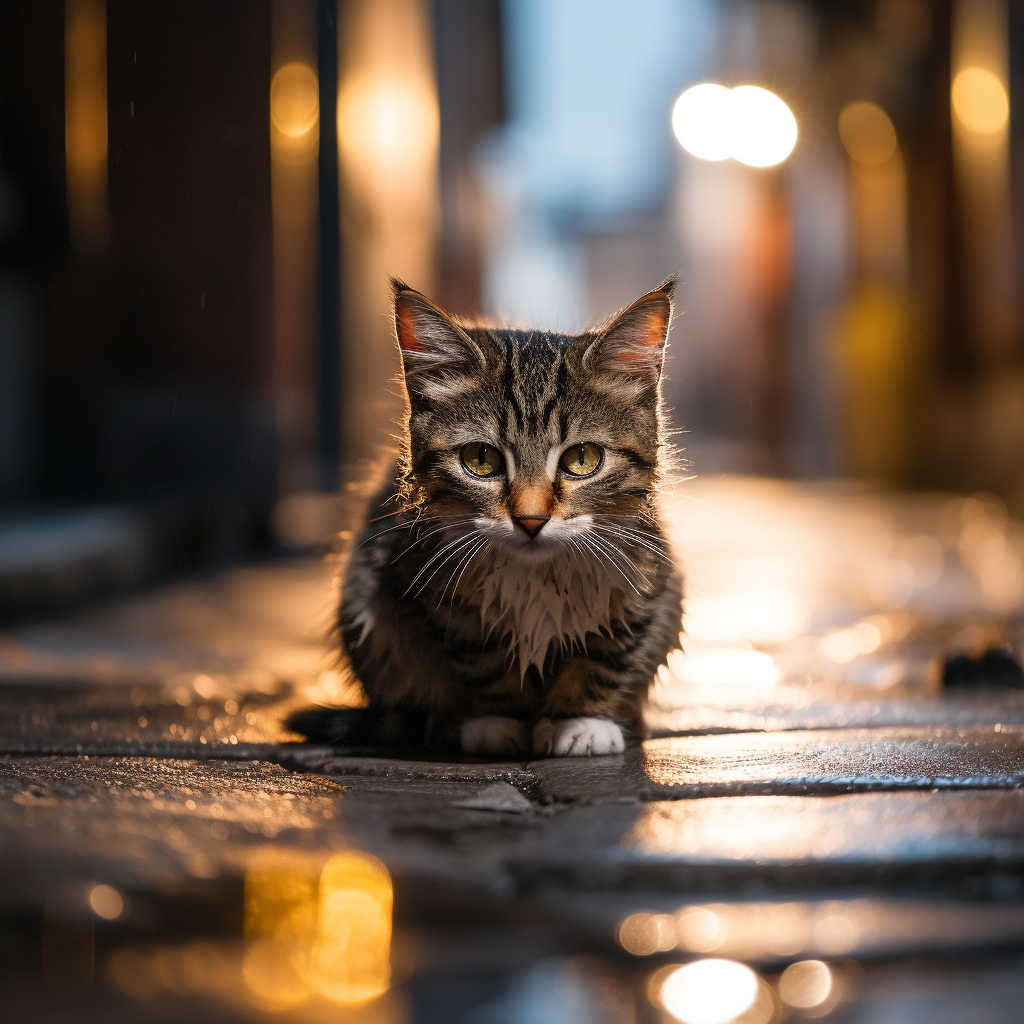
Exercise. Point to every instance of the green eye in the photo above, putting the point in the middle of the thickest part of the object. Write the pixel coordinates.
(581, 459)
(482, 459)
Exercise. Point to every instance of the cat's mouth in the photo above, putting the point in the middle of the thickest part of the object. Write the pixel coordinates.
(535, 542)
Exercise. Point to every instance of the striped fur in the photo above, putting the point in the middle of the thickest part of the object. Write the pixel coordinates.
(452, 611)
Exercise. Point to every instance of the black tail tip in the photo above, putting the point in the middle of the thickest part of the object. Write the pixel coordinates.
(331, 725)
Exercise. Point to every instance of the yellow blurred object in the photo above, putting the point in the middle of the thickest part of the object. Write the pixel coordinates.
(876, 357)
(311, 930)
(85, 122)
(867, 133)
(350, 961)
(294, 99)
(980, 102)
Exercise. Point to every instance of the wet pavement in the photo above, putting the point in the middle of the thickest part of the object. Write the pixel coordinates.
(819, 827)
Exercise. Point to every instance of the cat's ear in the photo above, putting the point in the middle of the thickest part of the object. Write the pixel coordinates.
(631, 345)
(437, 354)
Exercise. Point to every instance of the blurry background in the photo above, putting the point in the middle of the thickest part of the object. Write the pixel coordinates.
(200, 204)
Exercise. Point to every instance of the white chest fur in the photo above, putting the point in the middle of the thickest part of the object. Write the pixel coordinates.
(540, 605)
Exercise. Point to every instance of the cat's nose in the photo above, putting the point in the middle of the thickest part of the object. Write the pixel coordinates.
(531, 524)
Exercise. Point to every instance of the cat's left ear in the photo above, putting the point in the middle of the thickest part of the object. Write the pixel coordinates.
(632, 343)
(437, 354)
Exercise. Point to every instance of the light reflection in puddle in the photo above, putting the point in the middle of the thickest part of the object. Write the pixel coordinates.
(317, 931)
(714, 992)
(806, 984)
(311, 930)
(833, 928)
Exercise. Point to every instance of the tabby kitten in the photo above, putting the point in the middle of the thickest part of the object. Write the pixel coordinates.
(516, 594)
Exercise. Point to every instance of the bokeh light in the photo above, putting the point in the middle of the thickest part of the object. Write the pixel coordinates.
(867, 133)
(709, 991)
(309, 930)
(106, 901)
(294, 99)
(980, 103)
(724, 667)
(805, 984)
(748, 123)
(700, 121)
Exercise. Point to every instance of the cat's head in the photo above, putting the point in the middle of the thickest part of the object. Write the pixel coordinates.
(533, 437)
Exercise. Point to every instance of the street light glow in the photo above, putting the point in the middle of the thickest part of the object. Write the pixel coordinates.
(979, 101)
(748, 124)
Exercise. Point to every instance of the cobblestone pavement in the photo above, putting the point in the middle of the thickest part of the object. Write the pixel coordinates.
(820, 826)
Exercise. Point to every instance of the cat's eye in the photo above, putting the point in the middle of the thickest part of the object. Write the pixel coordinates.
(581, 459)
(482, 459)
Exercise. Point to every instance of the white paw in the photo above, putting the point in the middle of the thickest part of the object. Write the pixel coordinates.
(494, 735)
(577, 737)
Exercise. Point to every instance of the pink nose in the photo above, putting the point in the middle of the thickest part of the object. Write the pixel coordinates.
(532, 525)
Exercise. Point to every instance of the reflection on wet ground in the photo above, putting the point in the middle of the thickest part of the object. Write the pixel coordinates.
(820, 828)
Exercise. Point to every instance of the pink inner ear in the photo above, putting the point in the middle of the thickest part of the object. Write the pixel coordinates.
(648, 333)
(404, 326)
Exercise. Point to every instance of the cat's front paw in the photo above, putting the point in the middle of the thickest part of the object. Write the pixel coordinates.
(577, 737)
(494, 735)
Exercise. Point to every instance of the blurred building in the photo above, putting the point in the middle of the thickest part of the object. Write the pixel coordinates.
(200, 205)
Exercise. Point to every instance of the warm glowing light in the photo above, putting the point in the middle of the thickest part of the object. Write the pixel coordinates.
(867, 133)
(312, 931)
(759, 616)
(85, 121)
(748, 123)
(294, 99)
(700, 930)
(979, 101)
(709, 991)
(384, 122)
(350, 961)
(106, 902)
(836, 934)
(717, 668)
(805, 984)
(643, 934)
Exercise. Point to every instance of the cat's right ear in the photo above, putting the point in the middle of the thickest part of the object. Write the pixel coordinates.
(438, 356)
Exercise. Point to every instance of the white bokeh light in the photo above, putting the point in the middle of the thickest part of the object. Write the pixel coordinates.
(700, 121)
(709, 991)
(748, 123)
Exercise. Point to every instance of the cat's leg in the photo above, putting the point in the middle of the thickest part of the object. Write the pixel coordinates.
(497, 712)
(584, 712)
(494, 734)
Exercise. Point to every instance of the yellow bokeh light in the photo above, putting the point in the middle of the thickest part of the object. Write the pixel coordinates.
(980, 103)
(106, 902)
(709, 991)
(867, 133)
(294, 100)
(701, 930)
(383, 122)
(310, 931)
(748, 123)
(350, 961)
(805, 984)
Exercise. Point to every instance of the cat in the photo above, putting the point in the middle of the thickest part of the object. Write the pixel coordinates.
(512, 590)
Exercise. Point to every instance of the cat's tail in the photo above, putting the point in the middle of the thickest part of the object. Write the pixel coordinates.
(359, 727)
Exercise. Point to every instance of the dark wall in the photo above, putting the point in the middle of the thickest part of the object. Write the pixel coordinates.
(153, 357)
